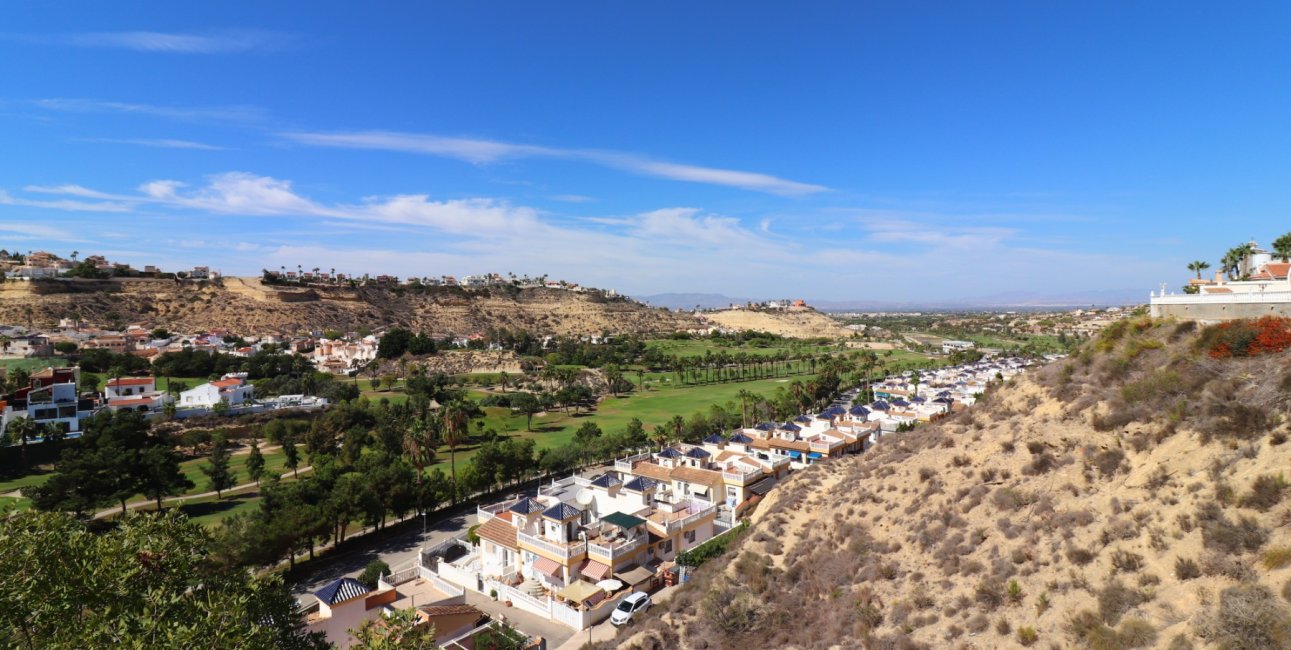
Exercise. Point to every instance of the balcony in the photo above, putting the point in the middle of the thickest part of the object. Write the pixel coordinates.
(672, 522)
(822, 447)
(557, 549)
(612, 552)
(742, 478)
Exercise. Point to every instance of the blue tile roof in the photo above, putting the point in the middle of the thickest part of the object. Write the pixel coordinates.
(670, 453)
(640, 484)
(859, 410)
(765, 426)
(791, 427)
(714, 440)
(802, 418)
(526, 506)
(341, 590)
(561, 512)
(900, 402)
(696, 452)
(880, 406)
(606, 480)
(741, 439)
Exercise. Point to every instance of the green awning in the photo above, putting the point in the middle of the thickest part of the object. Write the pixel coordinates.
(622, 520)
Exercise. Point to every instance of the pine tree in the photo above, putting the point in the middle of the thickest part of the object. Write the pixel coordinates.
(255, 462)
(292, 455)
(217, 468)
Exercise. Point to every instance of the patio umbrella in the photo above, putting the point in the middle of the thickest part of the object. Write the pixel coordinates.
(610, 585)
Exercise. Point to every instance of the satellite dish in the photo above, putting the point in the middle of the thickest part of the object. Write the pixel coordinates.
(585, 497)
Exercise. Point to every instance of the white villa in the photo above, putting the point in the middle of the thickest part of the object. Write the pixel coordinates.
(232, 389)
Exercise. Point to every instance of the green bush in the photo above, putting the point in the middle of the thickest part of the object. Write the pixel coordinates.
(374, 570)
(712, 548)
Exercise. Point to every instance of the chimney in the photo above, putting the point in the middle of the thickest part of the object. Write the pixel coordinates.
(1219, 277)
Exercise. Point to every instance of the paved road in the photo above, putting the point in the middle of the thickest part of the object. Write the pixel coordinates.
(605, 631)
(398, 550)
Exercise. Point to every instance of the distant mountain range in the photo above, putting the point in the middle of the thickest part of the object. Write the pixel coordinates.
(1013, 299)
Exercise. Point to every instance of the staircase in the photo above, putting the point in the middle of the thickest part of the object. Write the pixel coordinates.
(533, 588)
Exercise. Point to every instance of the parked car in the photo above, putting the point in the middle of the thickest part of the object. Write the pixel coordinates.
(634, 604)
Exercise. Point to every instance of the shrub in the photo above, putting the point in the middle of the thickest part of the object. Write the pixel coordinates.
(374, 570)
(1079, 556)
(1027, 636)
(1248, 617)
(730, 609)
(1136, 633)
(1186, 569)
(989, 594)
(1266, 492)
(1242, 338)
(1014, 592)
(1007, 498)
(1127, 561)
(1220, 533)
(1115, 599)
(1109, 461)
(1277, 557)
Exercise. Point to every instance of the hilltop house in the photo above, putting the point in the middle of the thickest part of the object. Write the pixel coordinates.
(231, 389)
(135, 394)
(51, 398)
(345, 604)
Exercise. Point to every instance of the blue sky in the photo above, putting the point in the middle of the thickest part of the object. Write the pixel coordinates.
(843, 150)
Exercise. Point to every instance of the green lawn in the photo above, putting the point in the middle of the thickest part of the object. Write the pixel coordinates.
(163, 383)
(32, 365)
(697, 347)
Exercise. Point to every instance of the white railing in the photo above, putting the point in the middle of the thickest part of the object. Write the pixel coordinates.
(399, 577)
(1278, 295)
(613, 552)
(538, 606)
(485, 513)
(625, 464)
(742, 477)
(557, 549)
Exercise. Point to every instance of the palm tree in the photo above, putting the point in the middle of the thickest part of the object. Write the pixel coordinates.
(22, 429)
(1282, 247)
(744, 396)
(455, 427)
(417, 442)
(677, 423)
(1198, 266)
(1232, 261)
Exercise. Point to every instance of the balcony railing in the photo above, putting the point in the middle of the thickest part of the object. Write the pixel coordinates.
(563, 551)
(611, 553)
(742, 477)
(822, 447)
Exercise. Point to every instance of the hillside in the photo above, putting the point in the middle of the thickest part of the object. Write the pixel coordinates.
(798, 322)
(245, 305)
(1130, 496)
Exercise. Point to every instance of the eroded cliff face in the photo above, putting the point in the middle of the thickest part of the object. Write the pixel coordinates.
(1131, 496)
(802, 323)
(246, 306)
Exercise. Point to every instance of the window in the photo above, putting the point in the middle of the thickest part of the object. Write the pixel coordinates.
(690, 536)
(665, 547)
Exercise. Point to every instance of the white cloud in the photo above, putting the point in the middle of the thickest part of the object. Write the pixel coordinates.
(162, 143)
(480, 151)
(221, 42)
(63, 204)
(240, 114)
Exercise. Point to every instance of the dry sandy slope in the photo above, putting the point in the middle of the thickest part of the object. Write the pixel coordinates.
(245, 306)
(915, 544)
(796, 323)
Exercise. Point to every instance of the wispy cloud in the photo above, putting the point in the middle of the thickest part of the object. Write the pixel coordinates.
(64, 204)
(162, 143)
(479, 151)
(237, 114)
(219, 42)
(572, 198)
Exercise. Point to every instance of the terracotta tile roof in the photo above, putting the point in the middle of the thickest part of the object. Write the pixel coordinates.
(651, 470)
(227, 383)
(499, 532)
(796, 445)
(130, 381)
(696, 475)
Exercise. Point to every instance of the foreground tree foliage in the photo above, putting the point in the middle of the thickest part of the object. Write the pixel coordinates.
(144, 584)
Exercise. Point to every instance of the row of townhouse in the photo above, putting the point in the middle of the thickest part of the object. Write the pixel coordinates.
(339, 356)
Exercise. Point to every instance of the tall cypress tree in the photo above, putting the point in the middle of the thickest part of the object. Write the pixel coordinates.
(217, 468)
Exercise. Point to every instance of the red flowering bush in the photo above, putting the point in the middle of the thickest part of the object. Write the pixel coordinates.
(1247, 338)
